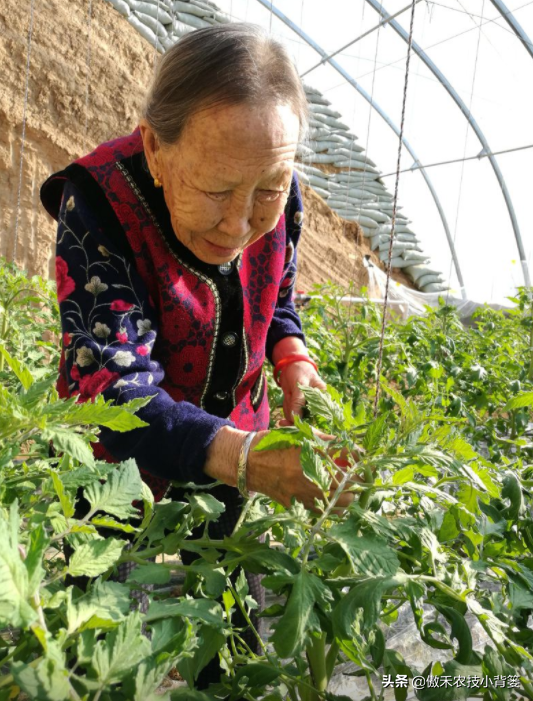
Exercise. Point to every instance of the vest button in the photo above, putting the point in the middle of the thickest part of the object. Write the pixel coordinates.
(229, 339)
(221, 396)
(225, 268)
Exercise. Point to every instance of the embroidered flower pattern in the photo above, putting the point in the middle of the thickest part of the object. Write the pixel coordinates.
(70, 203)
(103, 250)
(143, 326)
(101, 330)
(119, 305)
(123, 358)
(65, 284)
(84, 356)
(96, 286)
(122, 336)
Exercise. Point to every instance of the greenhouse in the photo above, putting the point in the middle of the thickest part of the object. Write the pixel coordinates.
(266, 350)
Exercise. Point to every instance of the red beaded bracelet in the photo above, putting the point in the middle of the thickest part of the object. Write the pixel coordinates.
(294, 358)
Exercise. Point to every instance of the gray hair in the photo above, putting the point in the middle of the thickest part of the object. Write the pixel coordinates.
(225, 64)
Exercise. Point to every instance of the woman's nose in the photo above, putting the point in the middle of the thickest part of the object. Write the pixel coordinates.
(235, 221)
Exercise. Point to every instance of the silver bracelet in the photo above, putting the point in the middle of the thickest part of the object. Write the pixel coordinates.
(243, 464)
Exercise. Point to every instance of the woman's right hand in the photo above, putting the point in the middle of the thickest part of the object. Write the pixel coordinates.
(276, 473)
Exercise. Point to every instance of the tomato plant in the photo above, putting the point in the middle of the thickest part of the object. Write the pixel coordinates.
(440, 529)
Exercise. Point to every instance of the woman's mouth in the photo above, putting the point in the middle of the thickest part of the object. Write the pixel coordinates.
(222, 251)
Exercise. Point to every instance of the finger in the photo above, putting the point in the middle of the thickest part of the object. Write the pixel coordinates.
(317, 382)
(295, 402)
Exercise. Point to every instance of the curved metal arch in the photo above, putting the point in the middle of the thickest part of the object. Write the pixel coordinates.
(269, 6)
(514, 24)
(468, 115)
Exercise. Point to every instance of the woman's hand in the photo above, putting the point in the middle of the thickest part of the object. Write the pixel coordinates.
(276, 473)
(294, 374)
(297, 373)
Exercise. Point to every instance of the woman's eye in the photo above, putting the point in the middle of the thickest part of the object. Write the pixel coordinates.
(270, 195)
(218, 196)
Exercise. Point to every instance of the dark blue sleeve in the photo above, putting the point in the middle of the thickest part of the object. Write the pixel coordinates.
(109, 329)
(286, 321)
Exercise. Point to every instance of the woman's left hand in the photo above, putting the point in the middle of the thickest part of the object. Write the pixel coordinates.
(297, 373)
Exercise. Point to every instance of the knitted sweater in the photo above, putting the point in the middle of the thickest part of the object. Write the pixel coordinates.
(142, 316)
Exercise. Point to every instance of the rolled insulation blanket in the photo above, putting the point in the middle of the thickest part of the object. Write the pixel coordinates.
(322, 109)
(179, 29)
(398, 246)
(384, 257)
(327, 159)
(320, 191)
(167, 4)
(398, 262)
(354, 155)
(168, 42)
(428, 279)
(416, 271)
(343, 206)
(144, 31)
(311, 170)
(121, 6)
(303, 177)
(435, 287)
(376, 215)
(190, 8)
(153, 24)
(222, 17)
(367, 232)
(192, 20)
(319, 133)
(315, 181)
(330, 121)
(352, 177)
(318, 100)
(415, 257)
(319, 146)
(310, 90)
(146, 8)
(406, 237)
(375, 241)
(305, 152)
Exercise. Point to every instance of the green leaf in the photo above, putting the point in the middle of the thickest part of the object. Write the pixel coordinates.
(460, 631)
(68, 441)
(313, 467)
(95, 557)
(512, 491)
(259, 674)
(15, 608)
(369, 555)
(66, 502)
(151, 573)
(405, 474)
(205, 506)
(23, 374)
(36, 550)
(108, 522)
(375, 432)
(519, 402)
(101, 413)
(46, 681)
(204, 610)
(321, 404)
(299, 619)
(120, 652)
(115, 496)
(104, 602)
(279, 439)
(209, 643)
(366, 596)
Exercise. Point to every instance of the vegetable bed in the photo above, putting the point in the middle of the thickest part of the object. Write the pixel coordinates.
(437, 542)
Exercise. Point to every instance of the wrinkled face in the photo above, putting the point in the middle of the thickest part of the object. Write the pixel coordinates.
(227, 180)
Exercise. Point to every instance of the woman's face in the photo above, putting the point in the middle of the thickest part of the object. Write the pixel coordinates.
(227, 180)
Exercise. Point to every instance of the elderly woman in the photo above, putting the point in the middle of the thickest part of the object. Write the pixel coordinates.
(176, 258)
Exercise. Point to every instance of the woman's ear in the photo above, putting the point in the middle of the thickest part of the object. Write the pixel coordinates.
(151, 148)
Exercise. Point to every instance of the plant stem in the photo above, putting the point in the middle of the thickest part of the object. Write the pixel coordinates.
(316, 656)
(3, 333)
